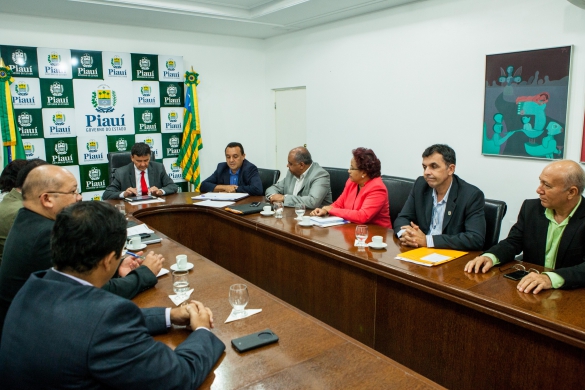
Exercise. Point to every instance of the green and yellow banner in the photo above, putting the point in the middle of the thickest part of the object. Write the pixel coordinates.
(188, 158)
(11, 141)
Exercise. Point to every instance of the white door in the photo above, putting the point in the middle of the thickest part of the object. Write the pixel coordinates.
(291, 124)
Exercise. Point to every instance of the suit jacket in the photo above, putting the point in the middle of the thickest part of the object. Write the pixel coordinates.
(464, 220)
(370, 205)
(28, 250)
(248, 179)
(315, 192)
(529, 235)
(11, 203)
(125, 177)
(62, 334)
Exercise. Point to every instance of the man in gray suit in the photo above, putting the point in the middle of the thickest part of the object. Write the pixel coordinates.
(305, 182)
(141, 177)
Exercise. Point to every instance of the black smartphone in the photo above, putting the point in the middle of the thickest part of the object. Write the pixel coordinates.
(254, 340)
(516, 275)
(254, 204)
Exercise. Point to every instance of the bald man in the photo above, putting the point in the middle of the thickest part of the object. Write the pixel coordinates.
(47, 190)
(550, 231)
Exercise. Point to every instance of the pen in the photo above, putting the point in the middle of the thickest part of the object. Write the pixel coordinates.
(135, 255)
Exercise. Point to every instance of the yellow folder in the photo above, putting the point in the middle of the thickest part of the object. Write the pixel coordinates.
(429, 257)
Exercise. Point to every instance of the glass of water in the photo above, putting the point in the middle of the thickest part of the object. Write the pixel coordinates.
(239, 298)
(361, 234)
(300, 211)
(278, 209)
(181, 284)
(121, 208)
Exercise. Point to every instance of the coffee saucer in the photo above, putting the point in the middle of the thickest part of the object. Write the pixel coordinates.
(267, 213)
(377, 246)
(141, 246)
(305, 224)
(187, 268)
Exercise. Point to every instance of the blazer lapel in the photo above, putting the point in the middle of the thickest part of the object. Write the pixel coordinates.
(451, 203)
(133, 182)
(574, 223)
(428, 210)
(541, 231)
(151, 176)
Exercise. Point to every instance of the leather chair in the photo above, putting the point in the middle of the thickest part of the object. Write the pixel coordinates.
(337, 177)
(268, 177)
(119, 159)
(495, 210)
(398, 190)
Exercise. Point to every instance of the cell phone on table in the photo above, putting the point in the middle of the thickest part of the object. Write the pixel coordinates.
(516, 275)
(254, 340)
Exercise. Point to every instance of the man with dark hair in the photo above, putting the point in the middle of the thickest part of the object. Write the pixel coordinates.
(46, 191)
(141, 177)
(64, 331)
(8, 175)
(550, 231)
(236, 174)
(442, 210)
(305, 182)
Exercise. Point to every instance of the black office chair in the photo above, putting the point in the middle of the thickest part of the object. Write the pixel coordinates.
(119, 159)
(398, 190)
(495, 210)
(338, 177)
(268, 177)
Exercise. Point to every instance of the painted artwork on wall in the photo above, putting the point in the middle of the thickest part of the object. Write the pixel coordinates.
(525, 107)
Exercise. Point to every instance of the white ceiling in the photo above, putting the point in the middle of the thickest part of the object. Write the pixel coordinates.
(243, 18)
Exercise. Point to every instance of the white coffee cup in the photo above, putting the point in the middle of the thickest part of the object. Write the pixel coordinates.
(378, 240)
(181, 261)
(267, 209)
(135, 242)
(306, 220)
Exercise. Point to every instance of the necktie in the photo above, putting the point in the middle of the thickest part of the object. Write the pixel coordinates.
(143, 184)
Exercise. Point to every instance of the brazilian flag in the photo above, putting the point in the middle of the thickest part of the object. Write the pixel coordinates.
(11, 141)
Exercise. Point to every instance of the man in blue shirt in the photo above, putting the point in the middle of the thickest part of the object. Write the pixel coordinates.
(235, 175)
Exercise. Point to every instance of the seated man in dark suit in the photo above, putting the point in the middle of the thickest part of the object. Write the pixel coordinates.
(235, 175)
(45, 192)
(64, 331)
(140, 177)
(442, 210)
(550, 231)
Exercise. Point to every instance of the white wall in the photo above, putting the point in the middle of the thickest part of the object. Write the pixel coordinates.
(402, 79)
(232, 90)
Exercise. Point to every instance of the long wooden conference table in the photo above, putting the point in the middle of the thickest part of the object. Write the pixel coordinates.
(457, 329)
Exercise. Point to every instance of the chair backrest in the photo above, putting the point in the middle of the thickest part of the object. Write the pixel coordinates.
(268, 177)
(119, 159)
(398, 190)
(495, 210)
(337, 177)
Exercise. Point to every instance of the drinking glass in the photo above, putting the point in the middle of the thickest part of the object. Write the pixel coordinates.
(121, 208)
(181, 284)
(278, 209)
(300, 211)
(239, 298)
(361, 233)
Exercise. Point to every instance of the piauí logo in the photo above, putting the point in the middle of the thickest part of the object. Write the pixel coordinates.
(94, 173)
(172, 90)
(147, 116)
(21, 88)
(174, 141)
(97, 198)
(173, 116)
(25, 119)
(175, 167)
(61, 147)
(171, 64)
(86, 60)
(92, 147)
(104, 99)
(144, 63)
(149, 142)
(54, 58)
(29, 149)
(56, 89)
(116, 62)
(145, 90)
(121, 144)
(59, 118)
(19, 57)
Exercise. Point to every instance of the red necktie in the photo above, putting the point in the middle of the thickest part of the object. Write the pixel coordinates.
(143, 184)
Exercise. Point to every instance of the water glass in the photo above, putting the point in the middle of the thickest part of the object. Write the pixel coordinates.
(181, 284)
(121, 208)
(239, 298)
(278, 209)
(361, 234)
(300, 211)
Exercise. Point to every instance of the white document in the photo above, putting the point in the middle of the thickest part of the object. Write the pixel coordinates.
(328, 221)
(214, 203)
(247, 313)
(435, 257)
(220, 196)
(157, 200)
(142, 228)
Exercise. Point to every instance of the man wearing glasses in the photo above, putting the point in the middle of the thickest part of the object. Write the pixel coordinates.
(550, 231)
(47, 190)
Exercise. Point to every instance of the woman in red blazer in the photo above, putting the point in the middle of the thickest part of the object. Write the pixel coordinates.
(364, 198)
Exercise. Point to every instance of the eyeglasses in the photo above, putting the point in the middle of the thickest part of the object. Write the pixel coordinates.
(519, 267)
(74, 192)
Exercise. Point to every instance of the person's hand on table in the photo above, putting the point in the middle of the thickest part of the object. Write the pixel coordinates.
(130, 192)
(276, 198)
(225, 188)
(534, 282)
(154, 262)
(199, 315)
(155, 191)
(413, 236)
(128, 264)
(480, 263)
(320, 212)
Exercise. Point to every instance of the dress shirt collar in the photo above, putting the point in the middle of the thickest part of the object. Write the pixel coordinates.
(80, 281)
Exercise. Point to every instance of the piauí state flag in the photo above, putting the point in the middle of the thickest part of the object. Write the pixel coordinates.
(188, 158)
(11, 141)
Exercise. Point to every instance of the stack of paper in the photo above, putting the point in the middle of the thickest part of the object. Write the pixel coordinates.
(429, 257)
(222, 196)
(327, 221)
(214, 203)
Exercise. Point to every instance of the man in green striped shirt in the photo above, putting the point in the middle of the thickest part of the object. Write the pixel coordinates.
(550, 231)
